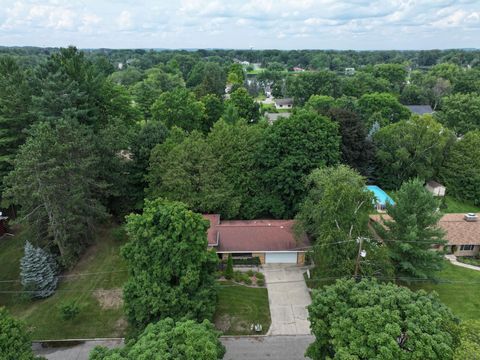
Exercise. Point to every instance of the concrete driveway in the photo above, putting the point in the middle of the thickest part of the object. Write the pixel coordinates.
(288, 297)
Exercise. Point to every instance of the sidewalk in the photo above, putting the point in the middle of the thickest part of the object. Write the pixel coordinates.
(454, 261)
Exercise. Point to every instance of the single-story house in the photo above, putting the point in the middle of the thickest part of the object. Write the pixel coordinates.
(420, 109)
(272, 241)
(435, 188)
(349, 71)
(272, 117)
(286, 103)
(381, 198)
(298, 69)
(462, 232)
(3, 224)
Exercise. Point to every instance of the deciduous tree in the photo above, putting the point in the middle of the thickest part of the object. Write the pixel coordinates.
(15, 342)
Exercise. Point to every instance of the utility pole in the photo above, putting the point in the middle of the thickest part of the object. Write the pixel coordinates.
(361, 254)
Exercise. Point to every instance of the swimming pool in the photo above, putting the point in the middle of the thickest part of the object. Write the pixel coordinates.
(382, 196)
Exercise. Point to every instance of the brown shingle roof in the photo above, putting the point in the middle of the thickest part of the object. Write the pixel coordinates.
(254, 235)
(457, 230)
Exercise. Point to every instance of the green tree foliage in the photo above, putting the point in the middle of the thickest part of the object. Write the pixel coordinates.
(367, 320)
(171, 272)
(15, 342)
(413, 231)
(302, 86)
(127, 77)
(236, 148)
(357, 150)
(246, 106)
(386, 105)
(364, 83)
(412, 148)
(292, 148)
(235, 74)
(469, 347)
(15, 101)
(461, 172)
(414, 95)
(461, 112)
(179, 108)
(55, 182)
(229, 269)
(167, 340)
(395, 74)
(156, 82)
(214, 108)
(185, 169)
(335, 214)
(207, 78)
(320, 104)
(38, 271)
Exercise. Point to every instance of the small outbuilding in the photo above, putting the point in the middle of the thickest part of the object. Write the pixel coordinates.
(286, 103)
(435, 188)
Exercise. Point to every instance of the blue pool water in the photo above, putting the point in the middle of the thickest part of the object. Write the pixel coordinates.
(382, 196)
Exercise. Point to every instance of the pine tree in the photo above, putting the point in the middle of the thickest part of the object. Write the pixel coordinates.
(38, 272)
(229, 269)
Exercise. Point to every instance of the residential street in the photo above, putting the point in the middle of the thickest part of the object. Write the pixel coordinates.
(267, 347)
(288, 297)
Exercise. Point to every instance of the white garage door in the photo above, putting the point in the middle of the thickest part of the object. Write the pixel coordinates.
(281, 258)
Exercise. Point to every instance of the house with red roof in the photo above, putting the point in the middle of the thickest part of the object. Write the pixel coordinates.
(272, 241)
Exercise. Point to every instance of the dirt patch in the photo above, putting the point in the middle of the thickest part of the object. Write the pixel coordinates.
(109, 299)
(223, 323)
(241, 326)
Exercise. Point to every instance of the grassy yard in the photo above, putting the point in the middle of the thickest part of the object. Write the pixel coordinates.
(459, 206)
(94, 284)
(462, 295)
(240, 306)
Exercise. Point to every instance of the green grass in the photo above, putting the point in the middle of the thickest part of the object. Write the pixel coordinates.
(459, 206)
(469, 260)
(462, 295)
(43, 316)
(239, 306)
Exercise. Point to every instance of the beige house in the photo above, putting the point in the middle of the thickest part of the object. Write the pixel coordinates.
(272, 241)
(462, 232)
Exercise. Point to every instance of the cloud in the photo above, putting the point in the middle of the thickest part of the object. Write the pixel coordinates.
(240, 23)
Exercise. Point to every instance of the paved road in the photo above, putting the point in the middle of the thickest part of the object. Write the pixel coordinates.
(238, 348)
(288, 297)
(76, 352)
(268, 347)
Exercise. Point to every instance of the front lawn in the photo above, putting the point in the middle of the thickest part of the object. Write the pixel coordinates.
(459, 289)
(239, 307)
(94, 283)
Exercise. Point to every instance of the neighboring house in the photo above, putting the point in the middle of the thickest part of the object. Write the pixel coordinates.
(462, 232)
(272, 241)
(298, 69)
(350, 71)
(272, 117)
(435, 188)
(3, 224)
(381, 198)
(286, 103)
(420, 109)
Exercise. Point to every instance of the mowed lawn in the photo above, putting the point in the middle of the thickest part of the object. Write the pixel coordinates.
(94, 283)
(239, 307)
(459, 289)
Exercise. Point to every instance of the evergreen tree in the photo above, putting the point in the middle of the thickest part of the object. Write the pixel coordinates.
(229, 269)
(413, 231)
(38, 271)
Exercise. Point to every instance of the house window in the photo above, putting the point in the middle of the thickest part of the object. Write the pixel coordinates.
(466, 247)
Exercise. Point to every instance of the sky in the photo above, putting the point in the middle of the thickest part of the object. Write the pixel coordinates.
(242, 24)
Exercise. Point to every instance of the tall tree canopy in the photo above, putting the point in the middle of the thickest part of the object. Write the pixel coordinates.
(171, 272)
(179, 108)
(411, 148)
(367, 320)
(292, 148)
(413, 231)
(302, 86)
(15, 342)
(55, 181)
(246, 106)
(461, 112)
(167, 340)
(385, 105)
(461, 173)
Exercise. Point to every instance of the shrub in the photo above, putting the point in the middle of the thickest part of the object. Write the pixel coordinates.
(250, 273)
(229, 269)
(247, 281)
(260, 276)
(119, 234)
(260, 282)
(69, 309)
(237, 276)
